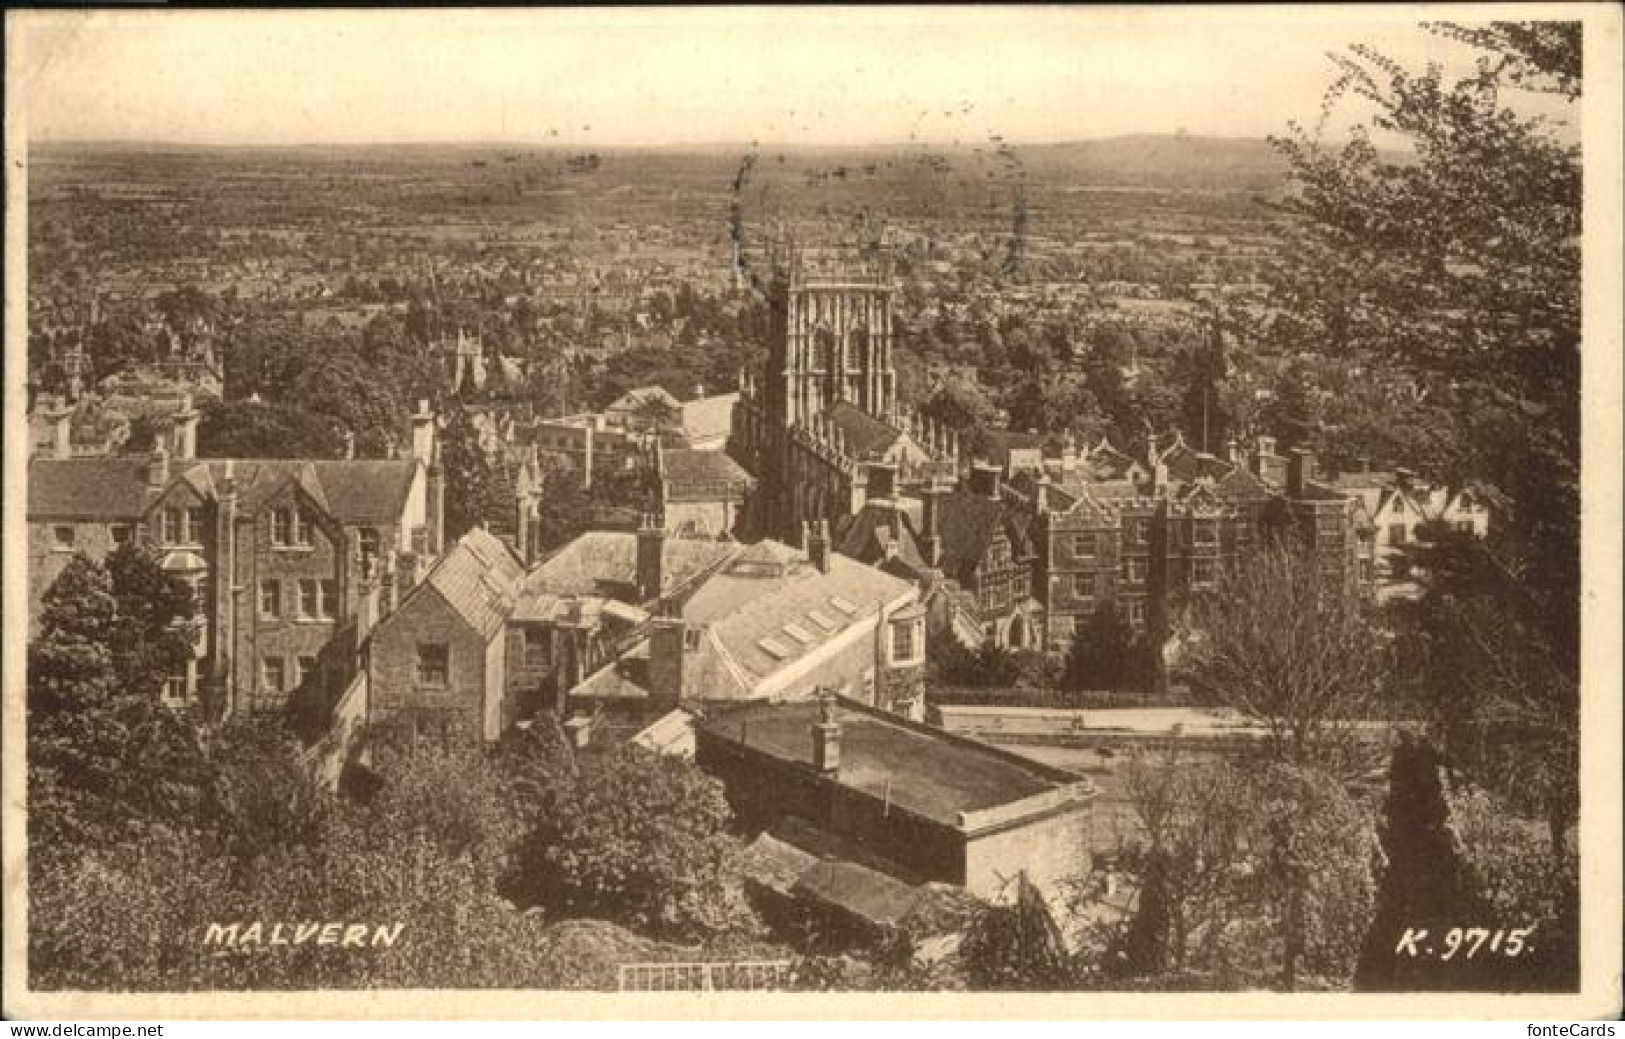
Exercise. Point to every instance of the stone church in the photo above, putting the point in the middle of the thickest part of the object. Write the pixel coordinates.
(825, 404)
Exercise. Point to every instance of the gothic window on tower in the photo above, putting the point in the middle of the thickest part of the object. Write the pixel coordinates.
(824, 349)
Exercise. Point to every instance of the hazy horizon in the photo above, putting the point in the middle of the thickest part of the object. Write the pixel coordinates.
(689, 78)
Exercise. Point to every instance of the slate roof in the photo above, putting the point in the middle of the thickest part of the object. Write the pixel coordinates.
(864, 433)
(353, 491)
(869, 535)
(968, 524)
(88, 488)
(916, 768)
(478, 578)
(602, 560)
(747, 607)
(693, 474)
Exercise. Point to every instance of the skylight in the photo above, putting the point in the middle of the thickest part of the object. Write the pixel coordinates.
(823, 620)
(843, 605)
(800, 634)
(773, 647)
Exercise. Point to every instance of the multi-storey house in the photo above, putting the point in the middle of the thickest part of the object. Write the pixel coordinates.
(290, 561)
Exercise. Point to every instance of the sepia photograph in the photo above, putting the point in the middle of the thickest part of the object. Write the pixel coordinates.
(1023, 510)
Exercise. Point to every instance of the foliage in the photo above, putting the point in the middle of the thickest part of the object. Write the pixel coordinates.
(1292, 649)
(261, 429)
(1253, 873)
(1106, 654)
(1204, 410)
(989, 667)
(152, 628)
(1017, 947)
(640, 838)
(1463, 266)
(478, 489)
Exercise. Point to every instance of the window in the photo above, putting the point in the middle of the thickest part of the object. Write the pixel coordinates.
(1139, 531)
(330, 599)
(691, 639)
(433, 663)
(309, 600)
(1202, 572)
(301, 528)
(195, 583)
(192, 527)
(63, 537)
(906, 643)
(1205, 532)
(1329, 523)
(306, 670)
(1396, 534)
(282, 527)
(272, 675)
(122, 533)
(1083, 546)
(176, 685)
(1136, 612)
(1136, 571)
(271, 599)
(1083, 586)
(1464, 526)
(171, 530)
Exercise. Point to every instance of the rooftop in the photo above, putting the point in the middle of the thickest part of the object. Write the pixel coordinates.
(915, 768)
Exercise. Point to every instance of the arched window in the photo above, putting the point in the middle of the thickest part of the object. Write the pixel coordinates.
(824, 349)
(857, 347)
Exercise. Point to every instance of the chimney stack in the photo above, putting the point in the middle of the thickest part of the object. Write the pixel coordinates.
(818, 546)
(60, 415)
(932, 546)
(158, 468)
(423, 433)
(651, 553)
(185, 430)
(1041, 495)
(826, 736)
(1232, 450)
(1300, 468)
(984, 480)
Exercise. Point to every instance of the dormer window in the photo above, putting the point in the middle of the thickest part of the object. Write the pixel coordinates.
(289, 528)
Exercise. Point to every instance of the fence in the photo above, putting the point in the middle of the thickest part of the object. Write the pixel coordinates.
(739, 976)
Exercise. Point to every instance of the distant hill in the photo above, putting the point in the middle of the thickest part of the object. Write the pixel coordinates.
(1163, 160)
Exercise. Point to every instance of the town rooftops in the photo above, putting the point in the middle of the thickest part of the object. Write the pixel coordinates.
(912, 767)
(692, 474)
(477, 578)
(599, 562)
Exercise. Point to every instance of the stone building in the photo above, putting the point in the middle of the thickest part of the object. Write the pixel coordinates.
(826, 401)
(291, 561)
(907, 800)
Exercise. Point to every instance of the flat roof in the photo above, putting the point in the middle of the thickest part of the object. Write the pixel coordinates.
(922, 770)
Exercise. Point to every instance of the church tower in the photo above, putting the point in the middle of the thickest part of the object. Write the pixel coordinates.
(832, 334)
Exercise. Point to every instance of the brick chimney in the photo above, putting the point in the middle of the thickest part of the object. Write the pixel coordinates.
(826, 737)
(651, 554)
(60, 416)
(818, 546)
(931, 543)
(185, 430)
(158, 468)
(1300, 468)
(667, 643)
(436, 488)
(1041, 495)
(423, 434)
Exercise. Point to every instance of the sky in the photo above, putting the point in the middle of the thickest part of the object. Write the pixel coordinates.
(663, 76)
